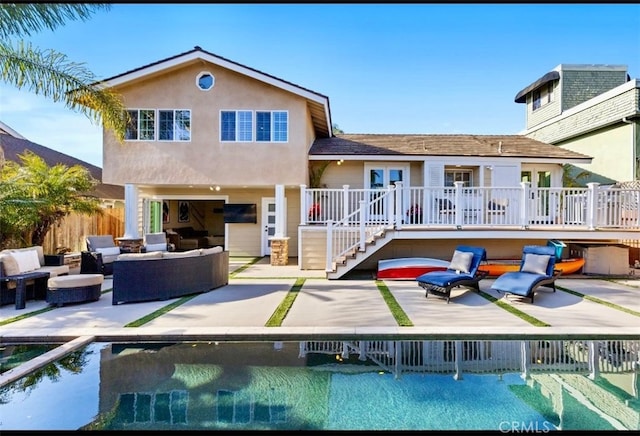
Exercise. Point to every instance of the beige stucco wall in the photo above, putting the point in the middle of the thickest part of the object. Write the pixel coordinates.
(614, 148)
(205, 160)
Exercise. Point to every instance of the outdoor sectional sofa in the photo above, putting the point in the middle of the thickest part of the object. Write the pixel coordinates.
(163, 275)
(25, 267)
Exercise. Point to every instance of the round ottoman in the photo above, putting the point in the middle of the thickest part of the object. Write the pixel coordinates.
(77, 288)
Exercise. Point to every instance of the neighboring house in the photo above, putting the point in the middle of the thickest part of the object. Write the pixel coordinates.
(590, 109)
(251, 159)
(15, 144)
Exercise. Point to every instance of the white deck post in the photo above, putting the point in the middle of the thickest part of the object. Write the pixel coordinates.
(303, 205)
(363, 219)
(524, 204)
(345, 201)
(459, 208)
(592, 204)
(281, 215)
(329, 265)
(398, 213)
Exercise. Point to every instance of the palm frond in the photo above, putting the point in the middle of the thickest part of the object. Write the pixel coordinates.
(23, 19)
(52, 75)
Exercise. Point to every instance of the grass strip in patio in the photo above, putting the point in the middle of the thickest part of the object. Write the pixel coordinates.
(26, 315)
(158, 313)
(37, 312)
(283, 308)
(512, 310)
(244, 267)
(599, 301)
(394, 307)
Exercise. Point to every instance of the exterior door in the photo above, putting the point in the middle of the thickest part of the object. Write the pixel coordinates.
(379, 177)
(541, 201)
(268, 220)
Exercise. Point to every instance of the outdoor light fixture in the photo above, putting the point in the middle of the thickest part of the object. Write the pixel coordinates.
(217, 187)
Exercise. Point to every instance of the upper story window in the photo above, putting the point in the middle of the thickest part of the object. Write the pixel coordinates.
(270, 126)
(451, 176)
(174, 125)
(542, 96)
(141, 125)
(236, 126)
(205, 81)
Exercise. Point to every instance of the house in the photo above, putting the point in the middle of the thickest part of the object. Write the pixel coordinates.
(590, 109)
(252, 160)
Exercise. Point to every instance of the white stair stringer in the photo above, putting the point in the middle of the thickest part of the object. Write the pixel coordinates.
(350, 262)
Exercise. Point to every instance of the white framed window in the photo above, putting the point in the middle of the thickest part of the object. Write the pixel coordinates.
(174, 125)
(141, 126)
(205, 81)
(451, 176)
(542, 96)
(236, 126)
(272, 126)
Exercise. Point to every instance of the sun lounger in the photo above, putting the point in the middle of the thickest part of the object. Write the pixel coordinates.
(537, 269)
(464, 270)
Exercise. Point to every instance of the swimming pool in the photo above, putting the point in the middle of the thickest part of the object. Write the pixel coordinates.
(514, 385)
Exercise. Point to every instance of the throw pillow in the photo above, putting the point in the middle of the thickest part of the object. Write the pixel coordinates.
(535, 263)
(461, 261)
(9, 264)
(24, 260)
(108, 251)
(156, 247)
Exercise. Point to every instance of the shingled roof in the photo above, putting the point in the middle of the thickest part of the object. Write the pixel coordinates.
(441, 145)
(13, 146)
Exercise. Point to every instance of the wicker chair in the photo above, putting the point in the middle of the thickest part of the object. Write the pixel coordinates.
(157, 242)
(101, 252)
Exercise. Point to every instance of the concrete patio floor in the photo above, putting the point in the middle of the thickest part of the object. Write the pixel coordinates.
(595, 307)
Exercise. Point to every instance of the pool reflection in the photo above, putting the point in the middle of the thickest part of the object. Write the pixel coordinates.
(363, 385)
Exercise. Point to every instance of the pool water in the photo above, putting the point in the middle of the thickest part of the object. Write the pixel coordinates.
(351, 385)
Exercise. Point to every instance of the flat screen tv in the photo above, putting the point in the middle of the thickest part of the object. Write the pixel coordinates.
(240, 213)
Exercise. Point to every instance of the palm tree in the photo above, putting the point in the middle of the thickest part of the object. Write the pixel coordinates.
(50, 73)
(40, 197)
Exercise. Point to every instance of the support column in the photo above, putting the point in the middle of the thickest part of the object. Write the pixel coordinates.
(131, 211)
(281, 213)
(279, 241)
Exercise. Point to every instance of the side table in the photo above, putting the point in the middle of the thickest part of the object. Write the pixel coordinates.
(40, 280)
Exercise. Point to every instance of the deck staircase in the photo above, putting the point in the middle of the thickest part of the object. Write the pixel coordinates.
(355, 256)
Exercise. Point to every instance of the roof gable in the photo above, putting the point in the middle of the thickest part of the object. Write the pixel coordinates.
(318, 103)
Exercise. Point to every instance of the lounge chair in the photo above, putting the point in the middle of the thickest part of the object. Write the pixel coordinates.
(101, 252)
(157, 242)
(463, 270)
(537, 269)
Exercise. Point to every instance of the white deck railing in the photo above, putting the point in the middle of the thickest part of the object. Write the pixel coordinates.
(354, 216)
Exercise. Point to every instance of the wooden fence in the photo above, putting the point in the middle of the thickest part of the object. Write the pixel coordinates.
(73, 230)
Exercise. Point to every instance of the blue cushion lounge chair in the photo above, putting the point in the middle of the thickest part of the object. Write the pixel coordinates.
(537, 269)
(462, 271)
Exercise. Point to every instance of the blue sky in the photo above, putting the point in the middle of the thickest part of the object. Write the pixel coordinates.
(386, 68)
